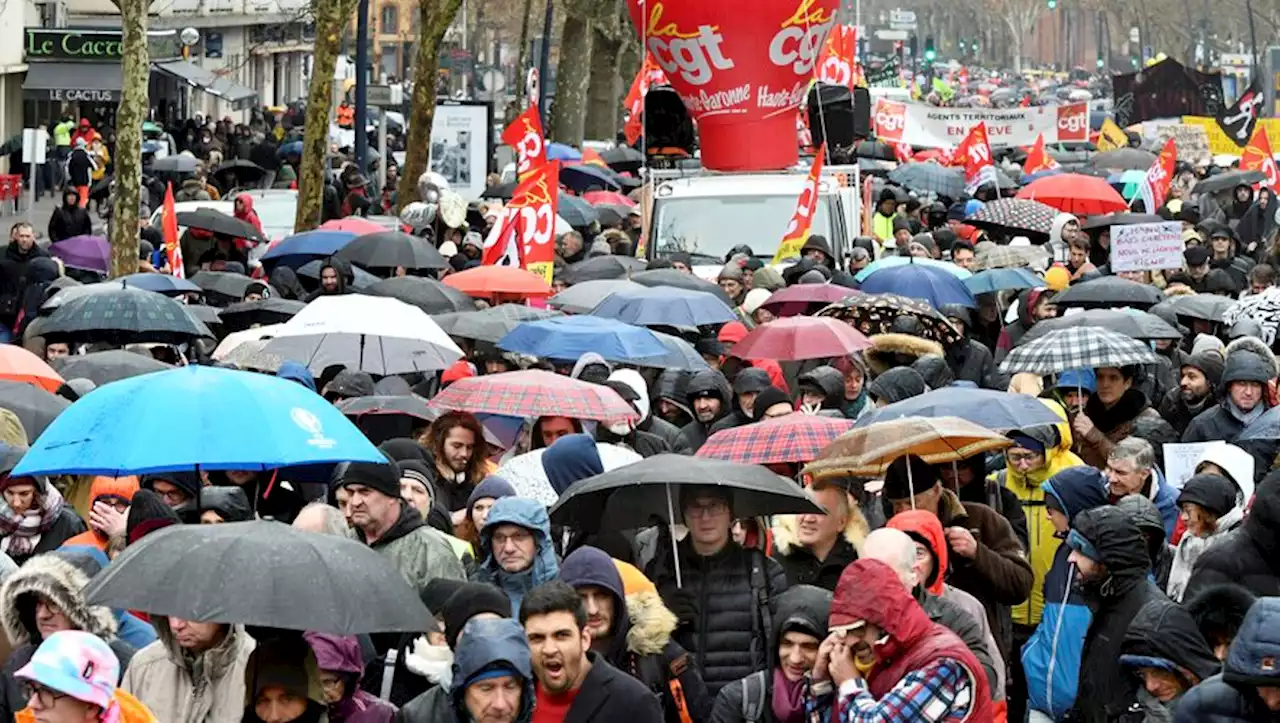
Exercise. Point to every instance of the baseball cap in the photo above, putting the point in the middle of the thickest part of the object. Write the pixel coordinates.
(76, 663)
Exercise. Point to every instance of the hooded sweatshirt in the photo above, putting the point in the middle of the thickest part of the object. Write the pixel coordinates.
(704, 383)
(532, 516)
(1164, 636)
(486, 645)
(1227, 697)
(115, 487)
(341, 654)
(571, 458)
(297, 372)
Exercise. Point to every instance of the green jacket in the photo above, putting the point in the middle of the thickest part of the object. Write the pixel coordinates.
(62, 133)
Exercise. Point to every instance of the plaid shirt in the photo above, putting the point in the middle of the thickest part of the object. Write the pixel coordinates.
(940, 692)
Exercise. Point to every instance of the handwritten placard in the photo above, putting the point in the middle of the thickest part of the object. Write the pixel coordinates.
(1180, 460)
(1144, 246)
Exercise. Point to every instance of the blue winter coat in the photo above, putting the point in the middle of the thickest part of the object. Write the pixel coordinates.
(1231, 696)
(532, 516)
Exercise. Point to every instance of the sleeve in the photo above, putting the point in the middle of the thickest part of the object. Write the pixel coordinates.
(728, 706)
(1016, 516)
(777, 580)
(1001, 561)
(696, 696)
(937, 692)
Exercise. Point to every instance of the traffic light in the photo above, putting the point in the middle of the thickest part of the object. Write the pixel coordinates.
(929, 52)
(962, 45)
(1102, 61)
(1053, 4)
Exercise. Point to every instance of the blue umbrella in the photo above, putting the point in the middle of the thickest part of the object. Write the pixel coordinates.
(160, 283)
(582, 178)
(300, 248)
(680, 355)
(918, 281)
(890, 262)
(213, 419)
(664, 306)
(565, 338)
(576, 211)
(561, 152)
(292, 148)
(1000, 411)
(992, 280)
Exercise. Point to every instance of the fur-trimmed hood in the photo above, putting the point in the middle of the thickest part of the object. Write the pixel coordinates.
(786, 530)
(651, 623)
(884, 346)
(59, 582)
(1257, 346)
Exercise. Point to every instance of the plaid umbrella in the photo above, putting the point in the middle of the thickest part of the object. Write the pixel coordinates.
(534, 393)
(791, 439)
(124, 316)
(1016, 216)
(1081, 347)
(874, 314)
(868, 451)
(929, 177)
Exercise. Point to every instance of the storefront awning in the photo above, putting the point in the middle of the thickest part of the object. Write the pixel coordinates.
(74, 82)
(193, 75)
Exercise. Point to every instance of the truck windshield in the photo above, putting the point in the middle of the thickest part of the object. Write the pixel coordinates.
(708, 226)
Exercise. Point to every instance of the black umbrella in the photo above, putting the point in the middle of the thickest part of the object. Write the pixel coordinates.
(1124, 159)
(610, 216)
(183, 571)
(223, 283)
(241, 170)
(203, 314)
(875, 149)
(502, 191)
(34, 407)
(576, 211)
(623, 158)
(176, 164)
(213, 221)
(311, 270)
(1207, 307)
(1108, 292)
(929, 177)
(1135, 324)
(680, 280)
(389, 249)
(101, 188)
(603, 267)
(263, 312)
(429, 295)
(104, 367)
(1118, 219)
(1229, 180)
(491, 324)
(406, 406)
(124, 316)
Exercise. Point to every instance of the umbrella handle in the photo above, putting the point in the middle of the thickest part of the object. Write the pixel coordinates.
(671, 527)
(911, 486)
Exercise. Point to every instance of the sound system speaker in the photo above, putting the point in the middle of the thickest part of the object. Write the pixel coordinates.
(838, 115)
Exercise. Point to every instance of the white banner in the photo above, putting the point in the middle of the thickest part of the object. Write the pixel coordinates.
(931, 127)
(1144, 246)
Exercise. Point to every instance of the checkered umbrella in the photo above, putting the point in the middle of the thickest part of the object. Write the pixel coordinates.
(1081, 347)
(929, 177)
(1263, 308)
(791, 439)
(1001, 257)
(534, 393)
(868, 451)
(1016, 216)
(875, 313)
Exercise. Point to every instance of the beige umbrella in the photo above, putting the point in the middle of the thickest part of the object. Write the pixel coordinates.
(868, 451)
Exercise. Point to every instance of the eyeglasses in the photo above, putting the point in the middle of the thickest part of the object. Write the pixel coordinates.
(47, 697)
(518, 538)
(1021, 457)
(707, 510)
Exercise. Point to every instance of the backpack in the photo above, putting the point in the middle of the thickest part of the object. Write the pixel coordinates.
(753, 697)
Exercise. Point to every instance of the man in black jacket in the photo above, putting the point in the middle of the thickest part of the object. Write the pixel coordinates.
(1250, 367)
(1250, 556)
(574, 683)
(69, 219)
(17, 256)
(969, 359)
(813, 548)
(709, 397)
(1198, 382)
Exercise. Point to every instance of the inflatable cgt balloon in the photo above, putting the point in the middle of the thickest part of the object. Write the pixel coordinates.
(741, 68)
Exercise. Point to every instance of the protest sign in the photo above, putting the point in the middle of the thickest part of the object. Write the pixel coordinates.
(1180, 460)
(1144, 246)
(932, 127)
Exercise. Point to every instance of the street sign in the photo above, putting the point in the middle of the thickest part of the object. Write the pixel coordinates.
(902, 19)
(1135, 35)
(378, 95)
(892, 34)
(34, 141)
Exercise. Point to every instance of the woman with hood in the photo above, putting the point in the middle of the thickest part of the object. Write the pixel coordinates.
(1209, 510)
(1258, 226)
(224, 504)
(282, 684)
(341, 667)
(1241, 201)
(1033, 305)
(1165, 648)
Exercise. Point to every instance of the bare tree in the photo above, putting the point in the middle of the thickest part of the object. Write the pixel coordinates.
(573, 72)
(435, 18)
(522, 57)
(136, 70)
(1020, 17)
(604, 86)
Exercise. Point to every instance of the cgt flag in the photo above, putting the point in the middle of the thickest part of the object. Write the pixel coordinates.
(1257, 156)
(974, 153)
(1038, 159)
(524, 236)
(798, 229)
(838, 64)
(525, 135)
(649, 75)
(172, 243)
(1155, 186)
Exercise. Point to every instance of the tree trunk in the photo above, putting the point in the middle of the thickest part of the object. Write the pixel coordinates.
(436, 16)
(523, 56)
(603, 94)
(331, 20)
(573, 73)
(136, 70)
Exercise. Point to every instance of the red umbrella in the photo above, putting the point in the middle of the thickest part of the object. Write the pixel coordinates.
(792, 439)
(612, 198)
(534, 393)
(798, 299)
(487, 281)
(353, 224)
(801, 337)
(1075, 193)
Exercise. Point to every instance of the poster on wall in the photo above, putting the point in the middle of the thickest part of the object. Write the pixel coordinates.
(461, 145)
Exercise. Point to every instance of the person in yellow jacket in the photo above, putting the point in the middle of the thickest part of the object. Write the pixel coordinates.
(71, 678)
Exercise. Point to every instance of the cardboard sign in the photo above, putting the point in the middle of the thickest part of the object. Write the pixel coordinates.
(1146, 246)
(1180, 460)
(1192, 142)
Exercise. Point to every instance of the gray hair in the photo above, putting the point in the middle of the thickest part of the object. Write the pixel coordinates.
(331, 520)
(894, 548)
(1136, 449)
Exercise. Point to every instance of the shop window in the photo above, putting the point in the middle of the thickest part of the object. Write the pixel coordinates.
(390, 19)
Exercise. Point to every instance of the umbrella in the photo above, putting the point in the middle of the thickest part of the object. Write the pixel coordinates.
(801, 299)
(300, 248)
(1002, 257)
(801, 337)
(1080, 347)
(561, 152)
(1076, 194)
(124, 316)
(1002, 279)
(391, 249)
(35, 407)
(238, 345)
(363, 280)
(602, 267)
(19, 365)
(581, 298)
(535, 393)
(1131, 323)
(623, 158)
(429, 295)
(244, 172)
(875, 314)
(1123, 159)
(218, 222)
(263, 312)
(104, 367)
(159, 283)
(1208, 307)
(527, 476)
(1118, 219)
(918, 281)
(176, 164)
(204, 412)
(665, 307)
(353, 224)
(929, 177)
(611, 216)
(565, 338)
(995, 410)
(582, 178)
(292, 148)
(576, 211)
(790, 439)
(503, 191)
(371, 333)
(868, 451)
(1016, 216)
(223, 283)
(680, 355)
(487, 281)
(889, 262)
(1107, 292)
(679, 280)
(90, 253)
(1127, 183)
(203, 314)
(491, 324)
(875, 149)
(405, 406)
(183, 570)
(1229, 180)
(608, 198)
(1263, 308)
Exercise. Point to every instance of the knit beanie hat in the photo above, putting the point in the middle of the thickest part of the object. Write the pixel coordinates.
(766, 399)
(147, 513)
(493, 487)
(1210, 363)
(1215, 493)
(470, 600)
(381, 476)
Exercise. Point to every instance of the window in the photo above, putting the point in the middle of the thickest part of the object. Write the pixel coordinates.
(390, 19)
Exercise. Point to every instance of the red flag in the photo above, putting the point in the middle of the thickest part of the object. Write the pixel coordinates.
(169, 227)
(838, 64)
(974, 153)
(1257, 156)
(591, 158)
(1038, 159)
(649, 74)
(1155, 187)
(525, 135)
(903, 152)
(798, 229)
(525, 234)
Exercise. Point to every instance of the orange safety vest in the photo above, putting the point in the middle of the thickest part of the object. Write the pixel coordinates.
(346, 115)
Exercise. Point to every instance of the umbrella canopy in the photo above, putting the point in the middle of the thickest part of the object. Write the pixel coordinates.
(374, 334)
(562, 152)
(19, 365)
(630, 496)
(405, 406)
(104, 367)
(90, 253)
(581, 298)
(1118, 219)
(790, 439)
(602, 268)
(868, 451)
(491, 324)
(889, 262)
(1263, 308)
(124, 316)
(176, 164)
(801, 299)
(1229, 180)
(1001, 257)
(535, 393)
(583, 177)
(801, 337)
(665, 307)
(1080, 347)
(1076, 194)
(527, 476)
(237, 339)
(223, 283)
(429, 295)
(353, 224)
(623, 158)
(875, 314)
(1136, 324)
(1016, 216)
(390, 249)
(239, 169)
(576, 211)
(183, 570)
(204, 411)
(486, 281)
(35, 407)
(503, 191)
(565, 338)
(918, 281)
(929, 177)
(680, 355)
(611, 198)
(300, 248)
(213, 221)
(679, 280)
(159, 283)
(1123, 159)
(1207, 307)
(995, 410)
(1108, 292)
(263, 312)
(1002, 279)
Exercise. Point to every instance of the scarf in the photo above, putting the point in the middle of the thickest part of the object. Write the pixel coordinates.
(1246, 418)
(22, 532)
(788, 698)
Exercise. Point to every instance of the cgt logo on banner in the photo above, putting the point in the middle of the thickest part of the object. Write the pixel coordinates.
(525, 135)
(837, 65)
(797, 232)
(1258, 157)
(523, 236)
(930, 127)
